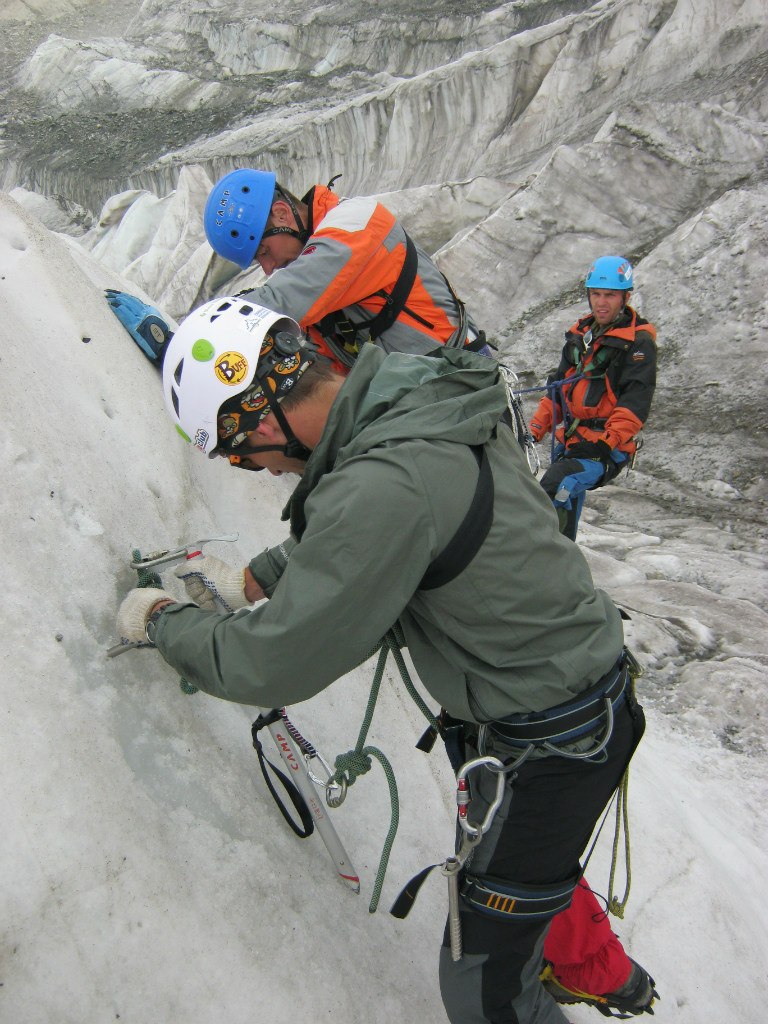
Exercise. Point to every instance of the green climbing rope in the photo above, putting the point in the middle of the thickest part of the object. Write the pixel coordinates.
(350, 766)
(616, 906)
(147, 578)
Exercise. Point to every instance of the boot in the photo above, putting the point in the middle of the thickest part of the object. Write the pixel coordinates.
(635, 996)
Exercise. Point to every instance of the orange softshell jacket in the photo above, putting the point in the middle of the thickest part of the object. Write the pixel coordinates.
(612, 400)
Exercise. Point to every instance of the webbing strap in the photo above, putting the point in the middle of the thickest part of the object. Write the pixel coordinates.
(513, 899)
(394, 303)
(468, 539)
(304, 813)
(495, 898)
(401, 908)
(570, 720)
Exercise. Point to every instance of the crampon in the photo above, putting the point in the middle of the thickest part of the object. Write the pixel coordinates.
(636, 996)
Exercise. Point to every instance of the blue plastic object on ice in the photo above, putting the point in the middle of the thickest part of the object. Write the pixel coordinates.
(144, 323)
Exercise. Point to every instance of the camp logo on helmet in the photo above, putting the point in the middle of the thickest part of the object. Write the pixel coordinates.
(231, 368)
(201, 438)
(222, 204)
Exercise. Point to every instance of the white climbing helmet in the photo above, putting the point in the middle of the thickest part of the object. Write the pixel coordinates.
(214, 356)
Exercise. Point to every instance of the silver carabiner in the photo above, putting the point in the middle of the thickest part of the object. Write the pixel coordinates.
(463, 798)
(338, 796)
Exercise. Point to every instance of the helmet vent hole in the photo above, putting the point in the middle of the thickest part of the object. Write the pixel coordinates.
(175, 400)
(177, 372)
(246, 189)
(223, 306)
(246, 310)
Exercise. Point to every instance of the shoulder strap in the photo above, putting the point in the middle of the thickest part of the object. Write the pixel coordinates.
(468, 539)
(394, 302)
(337, 326)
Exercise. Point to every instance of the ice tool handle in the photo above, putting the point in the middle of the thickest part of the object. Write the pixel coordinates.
(180, 554)
(149, 579)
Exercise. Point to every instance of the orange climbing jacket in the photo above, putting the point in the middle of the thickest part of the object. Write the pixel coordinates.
(359, 277)
(611, 399)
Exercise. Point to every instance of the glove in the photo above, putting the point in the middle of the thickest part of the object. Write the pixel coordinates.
(133, 613)
(537, 431)
(207, 579)
(599, 451)
(144, 323)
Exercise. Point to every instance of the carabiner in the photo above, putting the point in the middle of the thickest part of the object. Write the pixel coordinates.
(463, 798)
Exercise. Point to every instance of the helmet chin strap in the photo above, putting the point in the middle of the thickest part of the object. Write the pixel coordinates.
(300, 231)
(292, 449)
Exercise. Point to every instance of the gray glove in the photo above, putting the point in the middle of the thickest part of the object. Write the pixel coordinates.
(133, 613)
(207, 579)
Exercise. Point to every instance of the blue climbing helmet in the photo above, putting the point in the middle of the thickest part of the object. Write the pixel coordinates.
(236, 213)
(612, 272)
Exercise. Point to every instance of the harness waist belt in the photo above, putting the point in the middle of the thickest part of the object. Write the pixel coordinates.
(515, 900)
(569, 721)
(594, 424)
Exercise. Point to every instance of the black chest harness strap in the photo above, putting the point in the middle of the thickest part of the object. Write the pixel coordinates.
(341, 332)
(468, 539)
(344, 332)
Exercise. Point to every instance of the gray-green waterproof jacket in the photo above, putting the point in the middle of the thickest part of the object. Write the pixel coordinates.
(522, 628)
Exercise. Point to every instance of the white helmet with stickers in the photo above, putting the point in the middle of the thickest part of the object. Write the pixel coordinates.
(213, 358)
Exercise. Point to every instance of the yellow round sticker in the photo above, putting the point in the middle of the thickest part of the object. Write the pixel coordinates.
(231, 368)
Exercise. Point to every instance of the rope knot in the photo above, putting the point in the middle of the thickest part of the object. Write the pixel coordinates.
(351, 766)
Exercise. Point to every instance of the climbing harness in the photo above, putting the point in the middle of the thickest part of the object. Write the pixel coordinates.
(557, 727)
(343, 334)
(550, 731)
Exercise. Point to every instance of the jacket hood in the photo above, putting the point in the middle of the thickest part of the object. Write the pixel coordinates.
(453, 395)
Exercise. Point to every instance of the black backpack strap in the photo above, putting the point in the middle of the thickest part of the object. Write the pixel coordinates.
(394, 303)
(339, 327)
(468, 539)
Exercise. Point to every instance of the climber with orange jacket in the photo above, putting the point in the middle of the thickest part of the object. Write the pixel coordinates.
(600, 396)
(348, 270)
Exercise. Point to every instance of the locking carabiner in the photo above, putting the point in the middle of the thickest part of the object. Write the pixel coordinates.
(463, 797)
